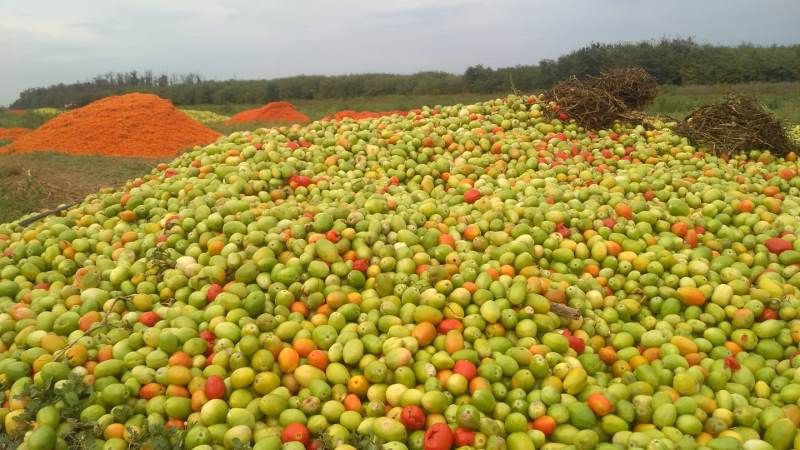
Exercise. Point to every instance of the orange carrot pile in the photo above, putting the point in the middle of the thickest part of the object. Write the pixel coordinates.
(271, 112)
(13, 134)
(134, 125)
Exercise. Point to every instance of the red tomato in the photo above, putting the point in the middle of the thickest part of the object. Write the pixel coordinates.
(563, 230)
(213, 292)
(332, 236)
(576, 344)
(413, 417)
(472, 195)
(361, 265)
(149, 318)
(208, 335)
(778, 245)
(732, 363)
(465, 368)
(450, 324)
(768, 314)
(599, 404)
(545, 424)
(463, 436)
(214, 387)
(438, 437)
(296, 432)
(302, 180)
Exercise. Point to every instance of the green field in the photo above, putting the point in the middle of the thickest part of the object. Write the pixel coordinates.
(783, 99)
(32, 182)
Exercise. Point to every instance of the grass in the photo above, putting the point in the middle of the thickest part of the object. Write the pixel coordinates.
(31, 182)
(35, 181)
(783, 99)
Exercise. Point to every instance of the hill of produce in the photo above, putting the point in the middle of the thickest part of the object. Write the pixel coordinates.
(135, 125)
(271, 112)
(472, 276)
(13, 133)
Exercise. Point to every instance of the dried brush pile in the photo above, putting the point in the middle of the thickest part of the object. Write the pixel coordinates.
(738, 124)
(597, 102)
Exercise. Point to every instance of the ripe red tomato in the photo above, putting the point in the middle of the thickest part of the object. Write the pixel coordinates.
(732, 363)
(208, 335)
(296, 432)
(413, 417)
(438, 437)
(472, 195)
(213, 292)
(545, 424)
(768, 314)
(149, 318)
(778, 245)
(463, 436)
(465, 368)
(599, 404)
(450, 324)
(214, 387)
(576, 344)
(361, 265)
(563, 230)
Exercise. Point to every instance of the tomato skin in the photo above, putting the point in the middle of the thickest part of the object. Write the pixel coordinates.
(215, 387)
(413, 417)
(296, 432)
(463, 436)
(438, 437)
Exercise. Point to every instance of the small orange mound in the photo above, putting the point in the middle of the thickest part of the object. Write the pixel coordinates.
(13, 134)
(360, 115)
(135, 125)
(271, 112)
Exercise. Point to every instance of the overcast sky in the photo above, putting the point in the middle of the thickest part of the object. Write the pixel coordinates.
(46, 42)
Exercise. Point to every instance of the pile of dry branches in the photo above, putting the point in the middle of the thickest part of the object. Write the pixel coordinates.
(597, 102)
(737, 124)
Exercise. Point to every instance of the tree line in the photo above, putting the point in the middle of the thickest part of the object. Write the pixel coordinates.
(672, 61)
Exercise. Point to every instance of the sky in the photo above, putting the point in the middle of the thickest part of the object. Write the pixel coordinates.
(48, 42)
